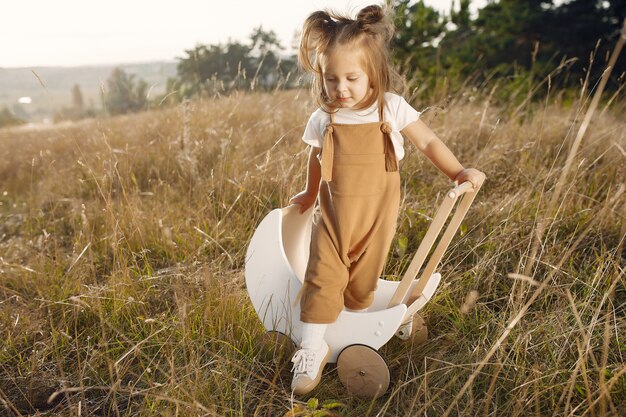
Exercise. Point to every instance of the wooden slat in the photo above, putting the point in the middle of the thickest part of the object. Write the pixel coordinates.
(422, 251)
(434, 260)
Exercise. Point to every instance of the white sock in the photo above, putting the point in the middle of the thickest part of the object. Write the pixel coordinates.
(313, 335)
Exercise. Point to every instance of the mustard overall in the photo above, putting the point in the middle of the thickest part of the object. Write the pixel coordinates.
(354, 220)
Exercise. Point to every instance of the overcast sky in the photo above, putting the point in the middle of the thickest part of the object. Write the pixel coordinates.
(86, 32)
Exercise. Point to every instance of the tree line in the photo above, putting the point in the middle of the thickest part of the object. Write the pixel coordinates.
(517, 42)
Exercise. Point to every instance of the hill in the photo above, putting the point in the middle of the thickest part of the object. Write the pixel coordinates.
(49, 87)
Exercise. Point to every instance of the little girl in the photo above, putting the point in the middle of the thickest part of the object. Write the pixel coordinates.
(353, 177)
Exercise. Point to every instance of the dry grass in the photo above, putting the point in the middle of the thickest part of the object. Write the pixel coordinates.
(122, 246)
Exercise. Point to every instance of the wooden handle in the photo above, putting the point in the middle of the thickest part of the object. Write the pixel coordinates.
(460, 189)
(425, 246)
(449, 233)
(401, 294)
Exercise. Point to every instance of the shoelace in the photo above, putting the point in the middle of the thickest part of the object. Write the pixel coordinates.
(303, 361)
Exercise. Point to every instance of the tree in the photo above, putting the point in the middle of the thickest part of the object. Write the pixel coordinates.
(522, 39)
(77, 98)
(77, 110)
(585, 23)
(7, 118)
(419, 29)
(212, 69)
(265, 52)
(124, 94)
(514, 34)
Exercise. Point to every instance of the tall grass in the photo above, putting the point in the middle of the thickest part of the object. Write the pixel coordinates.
(122, 245)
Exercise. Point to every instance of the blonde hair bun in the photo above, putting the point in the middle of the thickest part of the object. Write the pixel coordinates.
(372, 19)
(370, 15)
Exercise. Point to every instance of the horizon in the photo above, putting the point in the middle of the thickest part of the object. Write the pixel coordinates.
(95, 65)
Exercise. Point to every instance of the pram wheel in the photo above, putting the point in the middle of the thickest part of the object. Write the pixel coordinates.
(420, 330)
(363, 371)
(416, 330)
(279, 344)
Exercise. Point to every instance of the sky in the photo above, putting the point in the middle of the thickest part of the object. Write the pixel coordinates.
(91, 32)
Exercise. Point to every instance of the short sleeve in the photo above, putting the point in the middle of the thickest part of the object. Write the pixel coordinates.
(313, 131)
(405, 113)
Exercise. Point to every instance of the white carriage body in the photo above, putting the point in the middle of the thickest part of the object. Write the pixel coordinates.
(276, 262)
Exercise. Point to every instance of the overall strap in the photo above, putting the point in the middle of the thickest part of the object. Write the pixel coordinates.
(328, 151)
(391, 161)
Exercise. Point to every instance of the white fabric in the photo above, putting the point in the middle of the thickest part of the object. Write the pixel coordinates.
(398, 113)
(312, 335)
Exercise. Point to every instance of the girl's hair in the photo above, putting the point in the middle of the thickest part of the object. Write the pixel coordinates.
(371, 31)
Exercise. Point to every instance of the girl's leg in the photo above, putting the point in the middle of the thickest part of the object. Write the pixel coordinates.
(325, 279)
(366, 270)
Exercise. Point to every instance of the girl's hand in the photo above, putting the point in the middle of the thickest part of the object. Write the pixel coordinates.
(470, 174)
(304, 199)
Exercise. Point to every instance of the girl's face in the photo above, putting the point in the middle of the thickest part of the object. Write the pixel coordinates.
(345, 80)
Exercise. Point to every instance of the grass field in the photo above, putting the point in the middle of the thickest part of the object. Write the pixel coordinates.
(122, 250)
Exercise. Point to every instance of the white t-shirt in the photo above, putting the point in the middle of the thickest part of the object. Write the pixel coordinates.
(398, 113)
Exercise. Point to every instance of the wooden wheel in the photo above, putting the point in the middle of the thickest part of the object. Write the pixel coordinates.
(419, 332)
(363, 371)
(279, 344)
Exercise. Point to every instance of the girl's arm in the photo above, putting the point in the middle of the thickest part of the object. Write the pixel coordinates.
(307, 197)
(426, 141)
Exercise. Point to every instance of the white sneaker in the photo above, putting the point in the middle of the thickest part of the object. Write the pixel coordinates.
(307, 368)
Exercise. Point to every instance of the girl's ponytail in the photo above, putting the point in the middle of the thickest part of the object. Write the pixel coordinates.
(318, 30)
(372, 20)
(370, 15)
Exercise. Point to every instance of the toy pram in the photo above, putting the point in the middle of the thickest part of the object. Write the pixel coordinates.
(276, 262)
